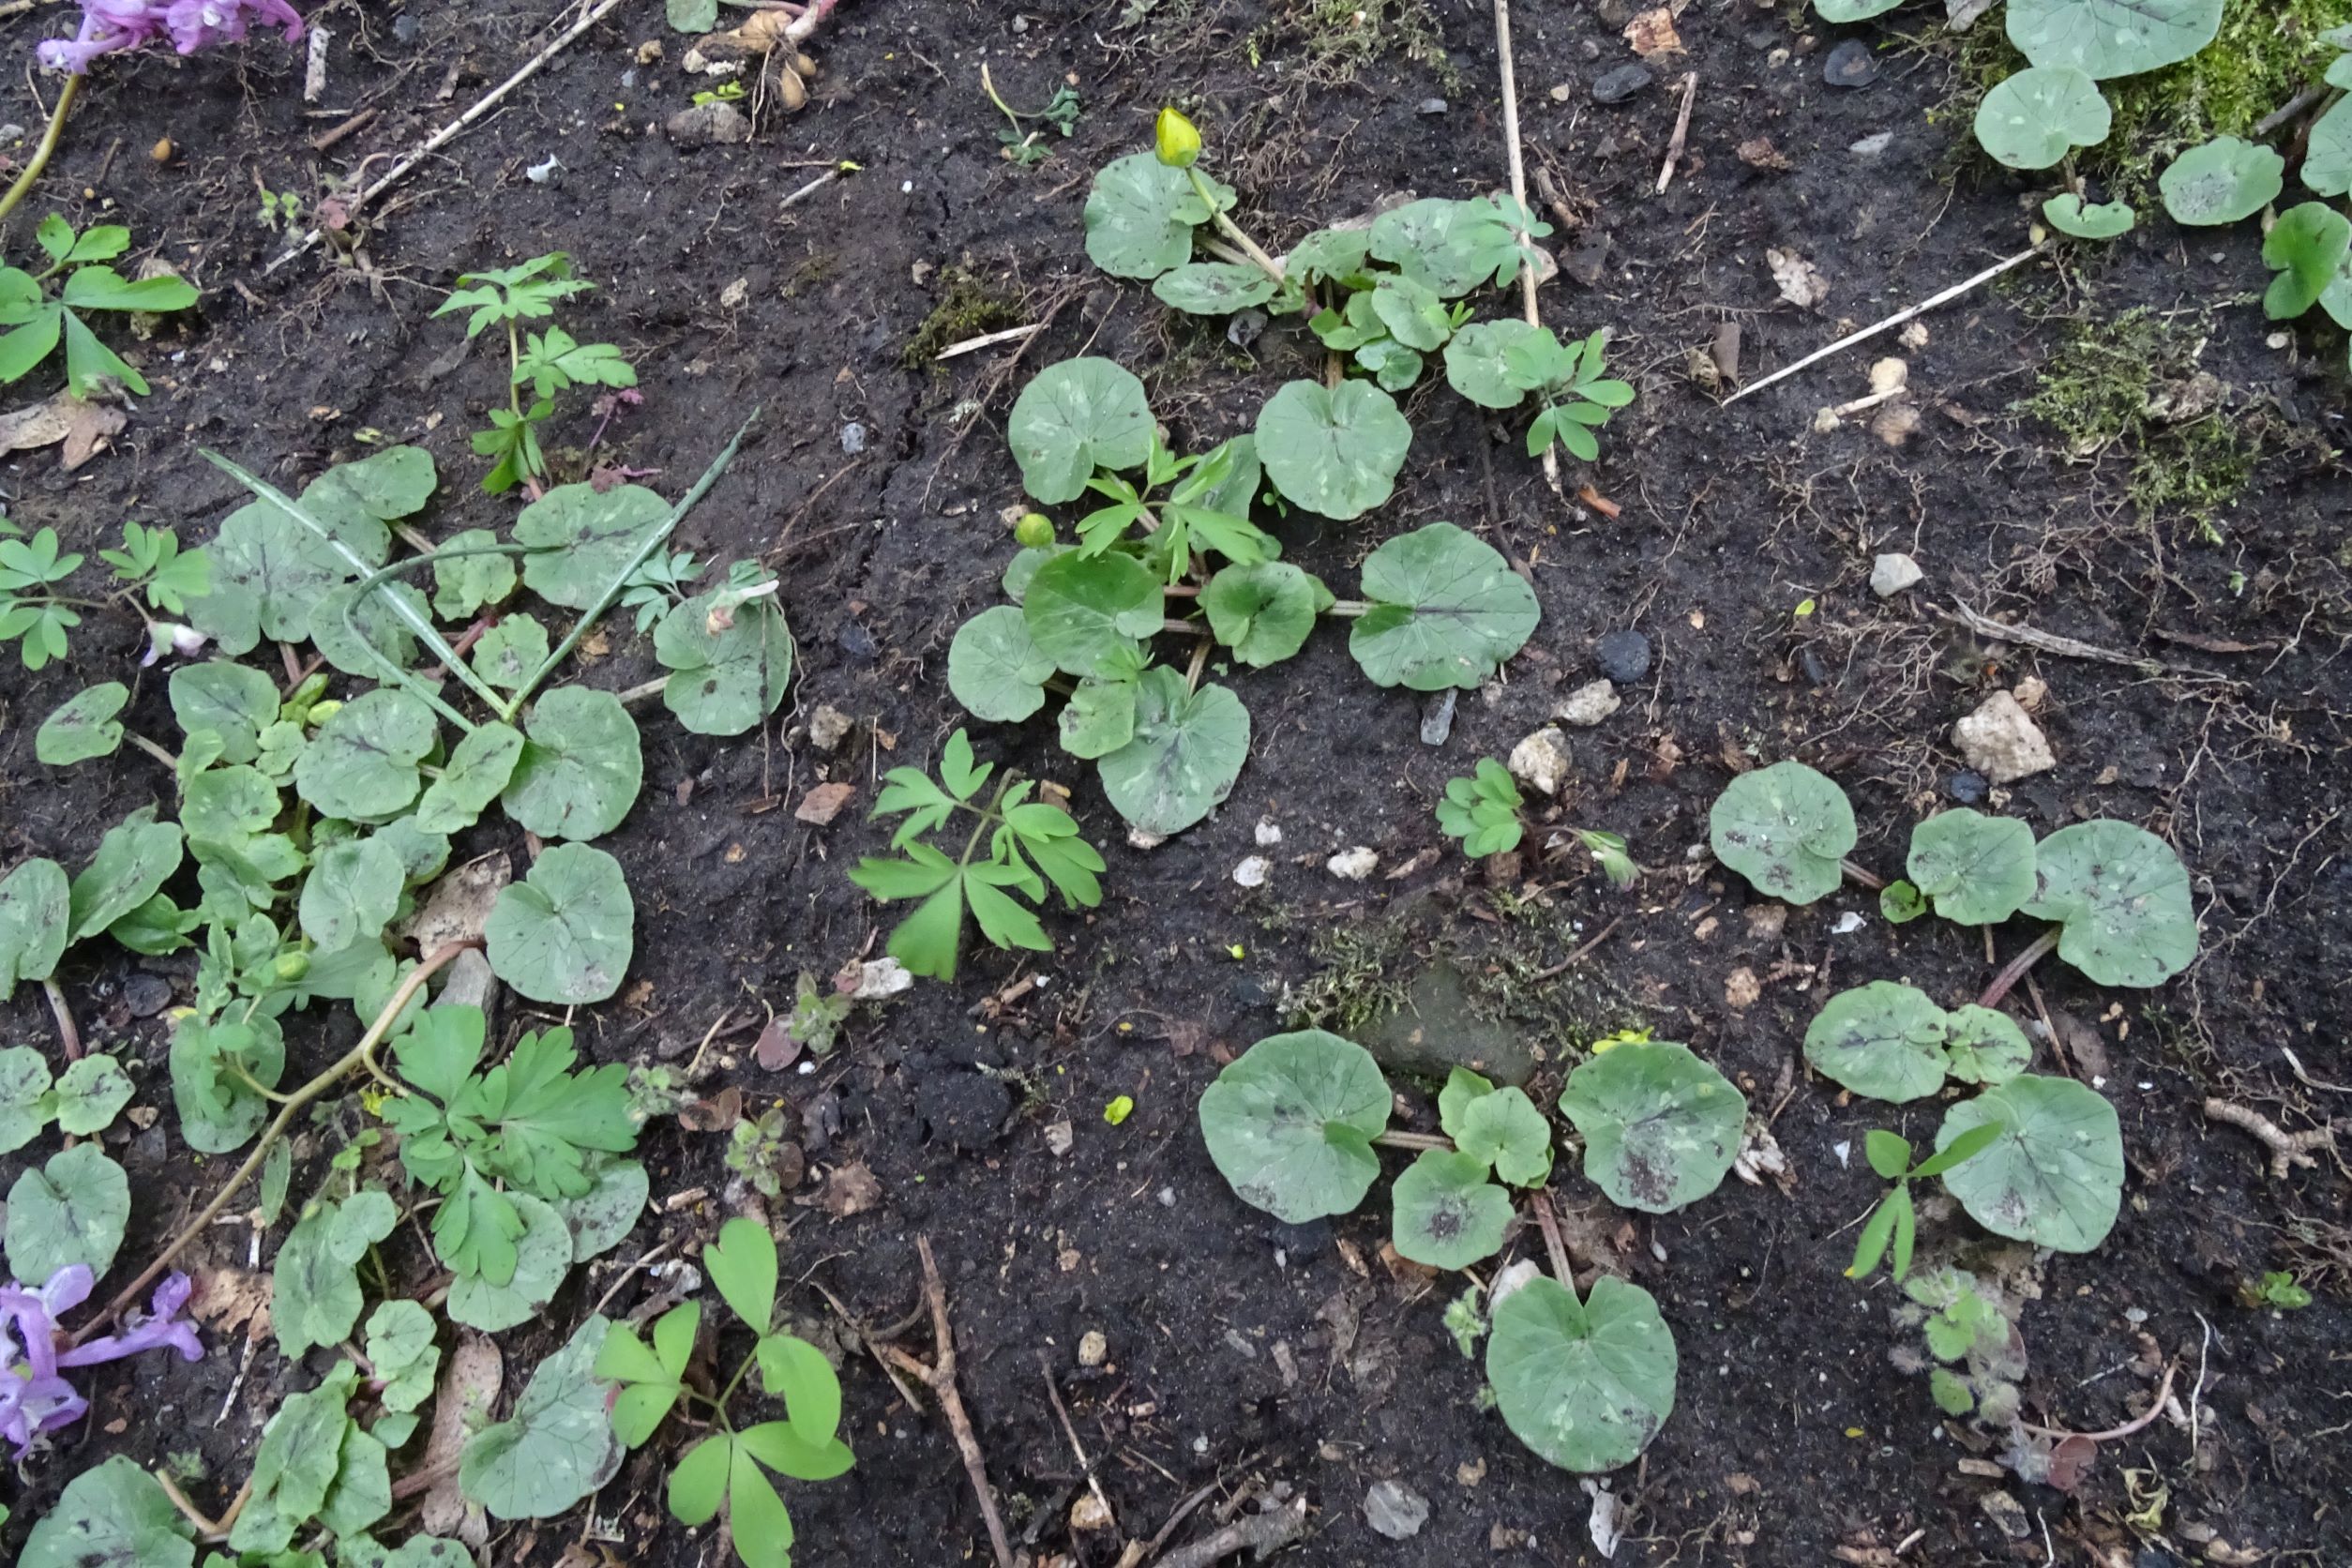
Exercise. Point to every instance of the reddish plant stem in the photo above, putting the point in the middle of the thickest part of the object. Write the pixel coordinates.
(2007, 979)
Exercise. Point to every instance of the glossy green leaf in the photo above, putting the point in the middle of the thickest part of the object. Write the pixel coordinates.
(1290, 1124)
(1660, 1126)
(1140, 215)
(1979, 870)
(2033, 119)
(793, 1370)
(741, 1267)
(361, 765)
(2121, 898)
(724, 682)
(1447, 610)
(581, 765)
(2055, 1176)
(84, 726)
(582, 541)
(1334, 450)
(565, 933)
(559, 1445)
(2104, 38)
(1448, 1214)
(1073, 417)
(36, 914)
(995, 668)
(1882, 1039)
(71, 1210)
(2221, 181)
(1085, 612)
(1188, 752)
(1263, 611)
(1786, 828)
(1584, 1385)
(2307, 247)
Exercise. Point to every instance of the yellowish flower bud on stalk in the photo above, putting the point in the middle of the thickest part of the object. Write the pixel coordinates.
(1035, 530)
(1179, 139)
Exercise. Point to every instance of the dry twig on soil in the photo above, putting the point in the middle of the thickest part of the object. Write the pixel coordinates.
(1267, 1532)
(2287, 1149)
(1519, 192)
(938, 1375)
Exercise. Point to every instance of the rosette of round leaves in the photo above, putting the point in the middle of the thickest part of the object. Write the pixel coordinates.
(1660, 1126)
(1290, 1125)
(2054, 1175)
(2121, 899)
(1786, 828)
(1584, 1385)
(1891, 1042)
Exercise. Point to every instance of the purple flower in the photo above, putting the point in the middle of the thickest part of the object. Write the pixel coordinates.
(112, 26)
(34, 1397)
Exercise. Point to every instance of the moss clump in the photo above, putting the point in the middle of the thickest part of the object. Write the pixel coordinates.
(2267, 52)
(969, 306)
(2131, 386)
(1338, 38)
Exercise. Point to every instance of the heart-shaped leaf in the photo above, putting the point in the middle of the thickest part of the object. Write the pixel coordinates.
(1979, 870)
(2067, 213)
(352, 891)
(1140, 214)
(581, 766)
(235, 702)
(1187, 751)
(995, 668)
(134, 859)
(1448, 1215)
(35, 914)
(543, 1256)
(581, 541)
(1660, 1126)
(2121, 898)
(1290, 1124)
(559, 1445)
(1085, 612)
(113, 1515)
(84, 726)
(511, 652)
(24, 1084)
(2221, 181)
(2112, 38)
(1098, 720)
(1213, 288)
(361, 765)
(90, 1092)
(2055, 1176)
(1786, 828)
(72, 1210)
(1073, 419)
(1334, 450)
(477, 772)
(1476, 362)
(2033, 119)
(1584, 1385)
(1884, 1040)
(2307, 247)
(2327, 153)
(1263, 611)
(725, 681)
(565, 934)
(1985, 1046)
(1447, 610)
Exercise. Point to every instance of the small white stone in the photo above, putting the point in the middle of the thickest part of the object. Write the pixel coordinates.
(1542, 760)
(1894, 572)
(1269, 834)
(1353, 864)
(1508, 1282)
(1847, 924)
(1060, 1137)
(1588, 705)
(1138, 840)
(1093, 1350)
(2001, 741)
(1252, 872)
(828, 726)
(881, 978)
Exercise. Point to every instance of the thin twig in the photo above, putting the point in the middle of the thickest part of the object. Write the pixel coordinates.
(67, 1035)
(450, 132)
(1681, 134)
(2287, 1149)
(2006, 981)
(2155, 1409)
(1554, 1246)
(1508, 73)
(987, 341)
(2286, 112)
(939, 1377)
(1896, 320)
(1581, 953)
(1069, 1430)
(810, 188)
(1267, 1532)
(2065, 647)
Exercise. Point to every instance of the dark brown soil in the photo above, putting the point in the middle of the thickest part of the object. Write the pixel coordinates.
(1241, 1351)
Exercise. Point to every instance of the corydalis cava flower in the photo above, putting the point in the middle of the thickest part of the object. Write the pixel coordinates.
(113, 26)
(35, 1398)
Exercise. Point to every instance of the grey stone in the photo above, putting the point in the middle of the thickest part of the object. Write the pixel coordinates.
(1436, 1031)
(1432, 106)
(853, 438)
(705, 123)
(1437, 718)
(1872, 144)
(1396, 1509)
(1894, 572)
(1851, 63)
(1968, 786)
(147, 995)
(471, 984)
(1542, 760)
(2001, 741)
(1622, 655)
(1588, 705)
(1617, 86)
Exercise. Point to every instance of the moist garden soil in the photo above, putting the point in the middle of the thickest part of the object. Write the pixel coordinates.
(1239, 1352)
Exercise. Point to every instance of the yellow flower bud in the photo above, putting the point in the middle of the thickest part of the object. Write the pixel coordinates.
(1179, 139)
(1035, 530)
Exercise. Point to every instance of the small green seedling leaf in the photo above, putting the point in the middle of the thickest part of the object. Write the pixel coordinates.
(83, 727)
(1290, 1125)
(2105, 39)
(210, 1064)
(2054, 1175)
(1483, 811)
(400, 1348)
(90, 1092)
(1448, 1214)
(1099, 719)
(233, 700)
(352, 891)
(1447, 611)
(2121, 898)
(1505, 1130)
(2069, 215)
(1985, 1046)
(1660, 1126)
(2221, 181)
(1979, 870)
(315, 1297)
(1188, 752)
(1264, 611)
(653, 1377)
(1584, 1385)
(2034, 118)
(1334, 450)
(1901, 902)
(565, 933)
(1073, 419)
(1786, 828)
(2307, 248)
(478, 770)
(543, 1256)
(134, 859)
(1477, 362)
(742, 1265)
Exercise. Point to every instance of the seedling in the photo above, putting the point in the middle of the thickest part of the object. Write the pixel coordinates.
(1497, 364)
(1024, 838)
(1977, 1357)
(37, 319)
(1894, 1220)
(279, 209)
(1892, 1043)
(723, 1472)
(1026, 149)
(1609, 852)
(37, 614)
(1483, 811)
(2276, 1290)
(549, 363)
(1660, 1127)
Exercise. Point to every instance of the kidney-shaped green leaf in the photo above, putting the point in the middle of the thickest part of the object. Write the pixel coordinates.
(2221, 181)
(72, 1210)
(1660, 1126)
(581, 541)
(361, 765)
(1086, 612)
(235, 702)
(2033, 119)
(1786, 828)
(1476, 362)
(1334, 450)
(2112, 38)
(1979, 870)
(35, 914)
(1188, 749)
(1985, 1046)
(1263, 611)
(1290, 1124)
(1884, 1040)
(581, 766)
(559, 1445)
(564, 933)
(995, 668)
(2121, 899)
(1139, 216)
(1584, 1385)
(2328, 152)
(724, 682)
(84, 726)
(2069, 213)
(2055, 1176)
(1447, 610)
(1073, 419)
(1448, 1215)
(1213, 288)
(113, 1515)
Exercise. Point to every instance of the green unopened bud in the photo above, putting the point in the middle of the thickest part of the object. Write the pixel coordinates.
(321, 711)
(291, 967)
(1035, 530)
(1179, 139)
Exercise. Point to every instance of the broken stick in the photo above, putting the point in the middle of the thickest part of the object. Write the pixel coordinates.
(1681, 134)
(2287, 1149)
(1518, 193)
(939, 1377)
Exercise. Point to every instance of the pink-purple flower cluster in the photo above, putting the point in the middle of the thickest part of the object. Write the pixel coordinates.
(111, 27)
(35, 1396)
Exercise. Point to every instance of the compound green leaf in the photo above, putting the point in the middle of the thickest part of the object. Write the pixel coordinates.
(2033, 119)
(995, 668)
(724, 682)
(1086, 612)
(1073, 419)
(1584, 1385)
(582, 540)
(1660, 1126)
(1290, 1124)
(1213, 288)
(1448, 1215)
(1884, 1040)
(1187, 751)
(352, 891)
(113, 1515)
(565, 934)
(84, 726)
(1263, 611)
(1140, 214)
(2221, 181)
(1979, 870)
(2103, 38)
(2121, 898)
(581, 766)
(559, 1446)
(361, 765)
(1447, 610)
(1786, 828)
(72, 1210)
(233, 700)
(2055, 1176)
(36, 914)
(134, 859)
(1475, 362)
(477, 772)
(1334, 450)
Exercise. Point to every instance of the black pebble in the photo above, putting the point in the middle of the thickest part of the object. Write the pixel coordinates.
(1618, 85)
(858, 642)
(1851, 63)
(1968, 787)
(1623, 655)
